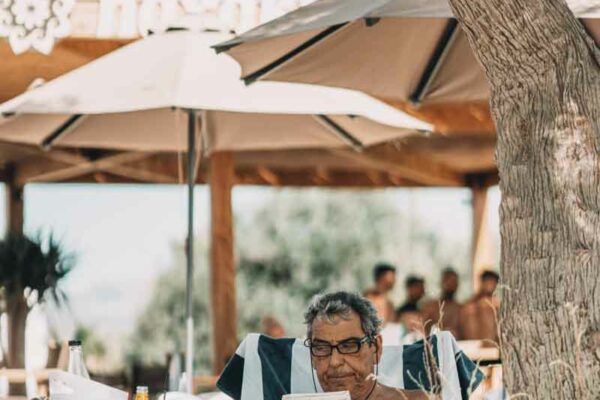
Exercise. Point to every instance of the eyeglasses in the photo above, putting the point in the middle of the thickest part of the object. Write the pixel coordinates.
(324, 349)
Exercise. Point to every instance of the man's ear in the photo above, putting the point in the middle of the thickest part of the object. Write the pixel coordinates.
(378, 348)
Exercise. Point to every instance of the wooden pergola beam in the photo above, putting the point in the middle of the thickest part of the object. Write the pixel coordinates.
(223, 289)
(412, 167)
(66, 157)
(323, 178)
(38, 172)
(68, 166)
(268, 175)
(141, 175)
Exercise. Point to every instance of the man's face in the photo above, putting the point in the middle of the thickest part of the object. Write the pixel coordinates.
(488, 286)
(340, 372)
(449, 284)
(387, 281)
(416, 291)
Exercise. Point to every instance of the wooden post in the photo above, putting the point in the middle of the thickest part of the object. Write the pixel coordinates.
(223, 290)
(16, 324)
(482, 252)
(14, 204)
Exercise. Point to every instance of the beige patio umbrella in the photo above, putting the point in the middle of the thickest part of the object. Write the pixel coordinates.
(410, 53)
(171, 92)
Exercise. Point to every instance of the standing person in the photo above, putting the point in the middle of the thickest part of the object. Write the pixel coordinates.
(444, 313)
(384, 279)
(384, 276)
(391, 331)
(415, 290)
(384, 308)
(478, 315)
(409, 314)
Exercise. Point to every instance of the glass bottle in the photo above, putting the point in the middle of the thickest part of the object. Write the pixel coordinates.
(76, 363)
(141, 393)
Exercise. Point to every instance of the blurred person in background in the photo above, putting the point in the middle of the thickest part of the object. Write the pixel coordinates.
(384, 279)
(270, 326)
(384, 276)
(415, 290)
(478, 316)
(384, 308)
(391, 331)
(411, 326)
(409, 314)
(444, 313)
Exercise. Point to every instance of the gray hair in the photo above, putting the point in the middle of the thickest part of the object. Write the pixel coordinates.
(342, 304)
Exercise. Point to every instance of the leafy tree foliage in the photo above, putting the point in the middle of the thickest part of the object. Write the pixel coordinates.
(299, 243)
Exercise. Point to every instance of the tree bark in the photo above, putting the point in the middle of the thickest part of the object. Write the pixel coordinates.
(544, 77)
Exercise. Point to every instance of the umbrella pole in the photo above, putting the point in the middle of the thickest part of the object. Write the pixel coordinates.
(191, 163)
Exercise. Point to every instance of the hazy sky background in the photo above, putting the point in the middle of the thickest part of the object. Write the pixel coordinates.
(123, 236)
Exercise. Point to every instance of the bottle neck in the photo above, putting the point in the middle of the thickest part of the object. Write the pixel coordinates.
(75, 353)
(76, 362)
(141, 394)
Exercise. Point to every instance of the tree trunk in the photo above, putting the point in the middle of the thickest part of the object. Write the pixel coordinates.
(16, 310)
(544, 76)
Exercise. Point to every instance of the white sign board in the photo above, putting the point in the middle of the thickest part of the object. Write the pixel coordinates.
(130, 18)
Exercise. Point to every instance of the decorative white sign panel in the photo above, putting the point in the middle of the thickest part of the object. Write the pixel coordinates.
(34, 24)
(127, 18)
(37, 24)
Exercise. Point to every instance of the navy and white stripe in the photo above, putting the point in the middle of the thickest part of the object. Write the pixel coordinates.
(266, 368)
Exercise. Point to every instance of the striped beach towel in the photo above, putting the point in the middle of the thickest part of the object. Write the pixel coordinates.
(265, 369)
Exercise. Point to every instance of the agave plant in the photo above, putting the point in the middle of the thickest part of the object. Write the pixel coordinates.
(30, 271)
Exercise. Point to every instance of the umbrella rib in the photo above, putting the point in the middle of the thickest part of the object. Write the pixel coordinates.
(340, 132)
(60, 131)
(435, 62)
(253, 77)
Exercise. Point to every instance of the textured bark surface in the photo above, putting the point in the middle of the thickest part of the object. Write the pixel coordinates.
(544, 75)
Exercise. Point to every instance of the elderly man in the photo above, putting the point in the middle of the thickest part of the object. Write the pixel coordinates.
(345, 344)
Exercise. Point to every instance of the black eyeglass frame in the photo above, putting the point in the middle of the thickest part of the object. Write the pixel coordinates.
(308, 343)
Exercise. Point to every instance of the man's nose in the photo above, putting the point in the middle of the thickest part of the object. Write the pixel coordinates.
(336, 359)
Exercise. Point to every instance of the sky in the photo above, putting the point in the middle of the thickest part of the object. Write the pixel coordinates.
(123, 236)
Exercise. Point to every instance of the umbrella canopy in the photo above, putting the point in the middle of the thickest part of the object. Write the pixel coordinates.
(126, 100)
(68, 54)
(410, 53)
